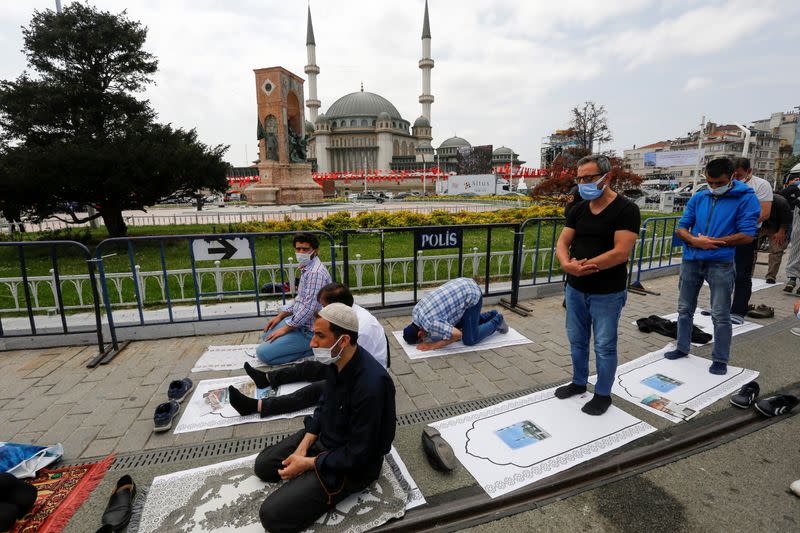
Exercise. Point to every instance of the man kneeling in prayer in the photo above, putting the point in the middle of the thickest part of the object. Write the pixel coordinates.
(452, 313)
(371, 337)
(341, 449)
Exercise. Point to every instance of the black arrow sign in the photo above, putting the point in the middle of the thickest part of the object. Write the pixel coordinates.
(227, 249)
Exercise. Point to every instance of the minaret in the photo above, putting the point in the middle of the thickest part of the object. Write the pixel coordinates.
(426, 64)
(312, 70)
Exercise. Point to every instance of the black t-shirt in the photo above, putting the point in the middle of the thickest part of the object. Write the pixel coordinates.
(594, 235)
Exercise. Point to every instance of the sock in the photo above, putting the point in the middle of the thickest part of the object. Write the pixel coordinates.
(243, 405)
(259, 377)
(675, 354)
(597, 405)
(562, 393)
(718, 368)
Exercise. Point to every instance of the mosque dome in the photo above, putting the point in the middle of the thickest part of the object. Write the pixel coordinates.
(309, 127)
(422, 122)
(454, 142)
(503, 150)
(383, 115)
(362, 104)
(321, 118)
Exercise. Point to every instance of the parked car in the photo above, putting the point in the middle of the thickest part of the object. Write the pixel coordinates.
(369, 197)
(233, 197)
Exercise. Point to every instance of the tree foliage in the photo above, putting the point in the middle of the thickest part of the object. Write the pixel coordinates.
(590, 124)
(74, 132)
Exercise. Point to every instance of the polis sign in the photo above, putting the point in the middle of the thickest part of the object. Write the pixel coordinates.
(435, 239)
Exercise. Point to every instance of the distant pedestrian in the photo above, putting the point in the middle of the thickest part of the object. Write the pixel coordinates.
(593, 249)
(746, 253)
(714, 222)
(776, 230)
(792, 193)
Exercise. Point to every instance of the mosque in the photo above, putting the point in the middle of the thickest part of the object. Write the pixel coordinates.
(365, 131)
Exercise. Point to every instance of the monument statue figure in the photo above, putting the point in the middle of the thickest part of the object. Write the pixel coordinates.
(271, 138)
(297, 146)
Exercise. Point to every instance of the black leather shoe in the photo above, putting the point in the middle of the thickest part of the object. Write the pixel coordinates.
(440, 455)
(118, 511)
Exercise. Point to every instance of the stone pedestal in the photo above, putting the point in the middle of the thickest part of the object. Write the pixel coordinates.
(282, 179)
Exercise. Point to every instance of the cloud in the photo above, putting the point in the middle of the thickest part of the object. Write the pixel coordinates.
(507, 72)
(697, 83)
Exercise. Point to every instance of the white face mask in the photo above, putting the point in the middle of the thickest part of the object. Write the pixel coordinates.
(304, 259)
(325, 355)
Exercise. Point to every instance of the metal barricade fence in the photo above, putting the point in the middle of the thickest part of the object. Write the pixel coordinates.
(657, 248)
(241, 249)
(79, 260)
(482, 251)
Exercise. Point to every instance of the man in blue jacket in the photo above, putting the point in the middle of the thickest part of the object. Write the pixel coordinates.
(714, 222)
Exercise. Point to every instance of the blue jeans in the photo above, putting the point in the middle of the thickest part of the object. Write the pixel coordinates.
(720, 276)
(476, 326)
(286, 348)
(598, 313)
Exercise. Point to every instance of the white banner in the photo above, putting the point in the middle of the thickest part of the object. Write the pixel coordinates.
(677, 158)
(479, 184)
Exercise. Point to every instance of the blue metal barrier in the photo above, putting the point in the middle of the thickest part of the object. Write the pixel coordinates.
(657, 248)
(55, 248)
(226, 251)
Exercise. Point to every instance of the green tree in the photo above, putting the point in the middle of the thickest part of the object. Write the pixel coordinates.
(75, 133)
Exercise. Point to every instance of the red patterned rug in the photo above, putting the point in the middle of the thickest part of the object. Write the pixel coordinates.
(61, 492)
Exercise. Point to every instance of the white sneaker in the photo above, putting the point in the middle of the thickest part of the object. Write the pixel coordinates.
(795, 486)
(795, 331)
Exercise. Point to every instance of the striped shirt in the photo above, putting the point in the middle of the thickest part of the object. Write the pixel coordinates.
(442, 308)
(305, 306)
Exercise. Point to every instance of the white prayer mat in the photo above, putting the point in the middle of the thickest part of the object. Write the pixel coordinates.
(758, 284)
(209, 407)
(227, 497)
(520, 441)
(494, 341)
(231, 357)
(705, 323)
(676, 390)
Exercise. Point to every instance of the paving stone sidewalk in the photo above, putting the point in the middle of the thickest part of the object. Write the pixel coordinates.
(48, 396)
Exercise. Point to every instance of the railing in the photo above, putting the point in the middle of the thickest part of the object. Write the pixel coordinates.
(383, 266)
(55, 252)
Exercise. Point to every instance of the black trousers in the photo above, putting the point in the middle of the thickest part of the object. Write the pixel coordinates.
(308, 396)
(299, 502)
(743, 283)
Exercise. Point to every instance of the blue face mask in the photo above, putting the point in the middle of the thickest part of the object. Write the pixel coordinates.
(719, 191)
(590, 191)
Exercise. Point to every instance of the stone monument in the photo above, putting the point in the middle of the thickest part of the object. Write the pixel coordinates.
(284, 174)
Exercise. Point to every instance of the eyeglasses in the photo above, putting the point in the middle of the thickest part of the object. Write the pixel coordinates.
(587, 179)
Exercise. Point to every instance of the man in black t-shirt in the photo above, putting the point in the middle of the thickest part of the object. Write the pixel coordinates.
(593, 249)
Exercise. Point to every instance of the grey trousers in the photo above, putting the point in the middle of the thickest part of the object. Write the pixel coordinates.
(793, 255)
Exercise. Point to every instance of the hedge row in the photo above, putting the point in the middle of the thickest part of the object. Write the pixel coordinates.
(338, 222)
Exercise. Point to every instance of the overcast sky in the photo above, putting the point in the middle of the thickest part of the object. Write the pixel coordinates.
(507, 72)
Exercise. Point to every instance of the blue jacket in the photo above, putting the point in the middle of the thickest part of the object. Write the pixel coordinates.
(736, 211)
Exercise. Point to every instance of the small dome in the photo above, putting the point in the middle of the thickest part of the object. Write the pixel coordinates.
(309, 127)
(422, 122)
(503, 151)
(384, 117)
(454, 142)
(321, 118)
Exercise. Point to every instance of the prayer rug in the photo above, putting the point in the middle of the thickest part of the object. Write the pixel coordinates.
(227, 497)
(209, 406)
(676, 390)
(61, 491)
(517, 442)
(704, 322)
(231, 357)
(494, 341)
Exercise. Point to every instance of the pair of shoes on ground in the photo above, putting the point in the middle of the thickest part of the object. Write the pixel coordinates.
(598, 405)
(717, 367)
(772, 406)
(789, 287)
(795, 331)
(118, 511)
(167, 411)
(760, 311)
